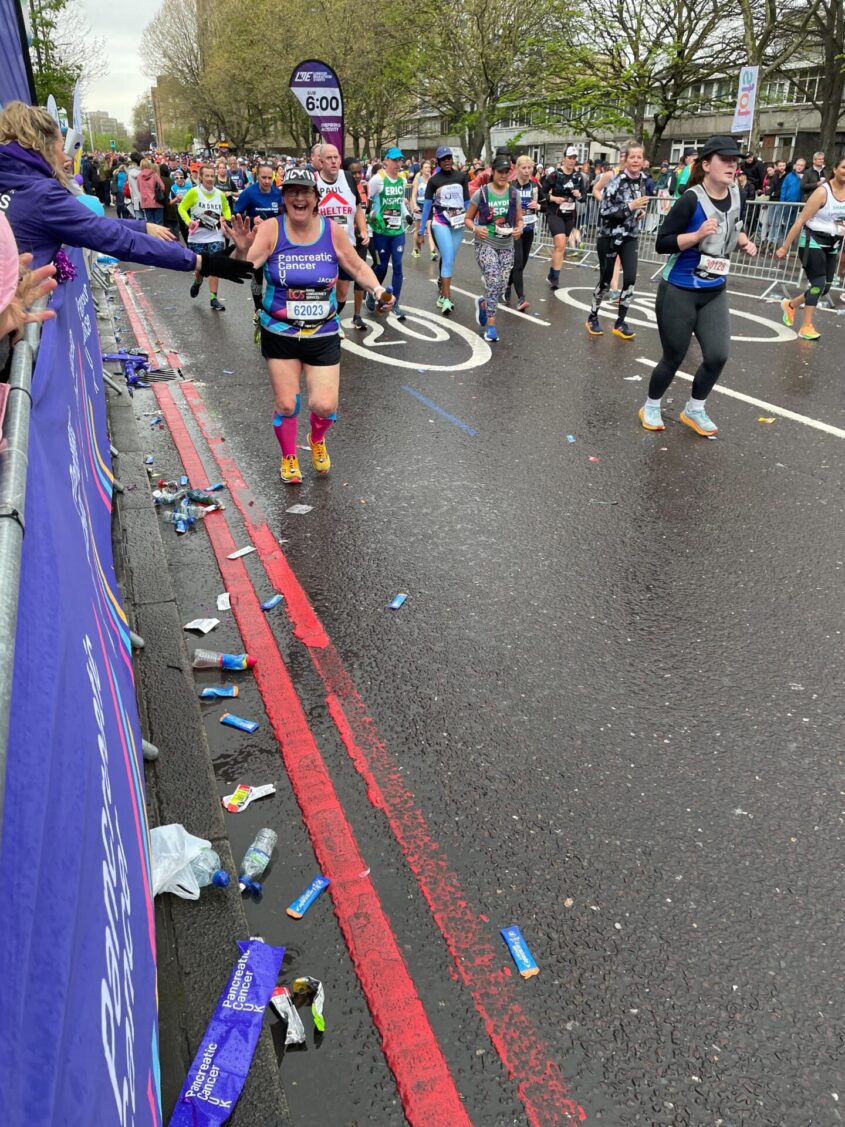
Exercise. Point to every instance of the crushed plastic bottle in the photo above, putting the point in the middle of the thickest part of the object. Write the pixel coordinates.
(206, 868)
(256, 859)
(166, 497)
(182, 520)
(210, 659)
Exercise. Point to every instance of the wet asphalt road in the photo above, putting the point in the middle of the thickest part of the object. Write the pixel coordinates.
(622, 722)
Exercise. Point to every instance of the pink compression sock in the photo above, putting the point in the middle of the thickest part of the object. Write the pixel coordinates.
(319, 426)
(285, 428)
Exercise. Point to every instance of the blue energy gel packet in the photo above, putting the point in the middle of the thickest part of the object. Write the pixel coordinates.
(300, 906)
(238, 722)
(213, 692)
(274, 602)
(397, 602)
(519, 951)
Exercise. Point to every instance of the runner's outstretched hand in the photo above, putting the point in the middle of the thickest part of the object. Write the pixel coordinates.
(241, 232)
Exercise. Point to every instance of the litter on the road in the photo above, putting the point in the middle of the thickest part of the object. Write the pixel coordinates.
(300, 906)
(592, 502)
(256, 859)
(209, 659)
(274, 602)
(228, 371)
(305, 988)
(282, 1003)
(518, 948)
(156, 421)
(183, 480)
(397, 601)
(593, 458)
(202, 624)
(224, 601)
(241, 552)
(570, 438)
(216, 486)
(219, 692)
(183, 864)
(243, 795)
(218, 1073)
(299, 510)
(632, 379)
(148, 461)
(232, 721)
(765, 419)
(203, 497)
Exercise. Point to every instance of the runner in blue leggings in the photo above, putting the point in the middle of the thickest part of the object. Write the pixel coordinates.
(388, 217)
(447, 196)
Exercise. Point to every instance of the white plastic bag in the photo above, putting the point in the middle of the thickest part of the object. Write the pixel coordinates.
(172, 850)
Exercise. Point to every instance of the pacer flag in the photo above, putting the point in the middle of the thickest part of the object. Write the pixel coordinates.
(745, 99)
(317, 88)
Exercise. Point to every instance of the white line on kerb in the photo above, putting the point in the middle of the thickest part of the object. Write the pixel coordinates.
(782, 412)
(514, 312)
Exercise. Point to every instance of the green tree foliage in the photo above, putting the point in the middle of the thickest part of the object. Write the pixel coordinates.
(54, 74)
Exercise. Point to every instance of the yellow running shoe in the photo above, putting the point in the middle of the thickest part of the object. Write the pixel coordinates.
(289, 470)
(320, 459)
(788, 313)
(808, 333)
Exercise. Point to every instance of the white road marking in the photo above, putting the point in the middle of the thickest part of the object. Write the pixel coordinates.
(781, 412)
(432, 329)
(778, 332)
(516, 313)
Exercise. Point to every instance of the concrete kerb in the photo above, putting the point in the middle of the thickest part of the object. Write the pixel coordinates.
(196, 940)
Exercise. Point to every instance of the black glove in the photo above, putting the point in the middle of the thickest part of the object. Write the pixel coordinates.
(236, 270)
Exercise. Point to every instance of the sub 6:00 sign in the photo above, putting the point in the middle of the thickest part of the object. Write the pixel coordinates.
(322, 103)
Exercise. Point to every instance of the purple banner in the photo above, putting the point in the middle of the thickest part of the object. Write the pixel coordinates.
(15, 70)
(216, 1078)
(78, 1020)
(317, 88)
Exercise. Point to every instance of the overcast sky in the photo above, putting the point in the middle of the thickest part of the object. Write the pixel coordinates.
(120, 24)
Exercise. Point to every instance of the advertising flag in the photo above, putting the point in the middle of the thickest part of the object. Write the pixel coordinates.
(317, 88)
(745, 99)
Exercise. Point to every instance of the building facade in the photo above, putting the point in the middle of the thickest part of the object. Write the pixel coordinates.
(789, 125)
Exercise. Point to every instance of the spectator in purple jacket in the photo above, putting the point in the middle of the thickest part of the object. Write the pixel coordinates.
(43, 214)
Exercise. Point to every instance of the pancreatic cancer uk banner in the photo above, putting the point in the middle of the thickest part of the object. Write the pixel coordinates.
(78, 1021)
(317, 88)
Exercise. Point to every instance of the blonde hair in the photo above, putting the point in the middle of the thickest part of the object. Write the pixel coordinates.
(526, 161)
(146, 163)
(32, 128)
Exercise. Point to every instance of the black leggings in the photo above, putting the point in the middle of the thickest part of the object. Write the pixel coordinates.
(608, 250)
(521, 251)
(820, 267)
(680, 313)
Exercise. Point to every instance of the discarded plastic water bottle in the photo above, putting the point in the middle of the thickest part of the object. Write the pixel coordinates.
(210, 659)
(256, 859)
(181, 519)
(206, 868)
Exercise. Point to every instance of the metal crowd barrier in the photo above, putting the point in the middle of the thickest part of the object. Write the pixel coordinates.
(13, 473)
(765, 221)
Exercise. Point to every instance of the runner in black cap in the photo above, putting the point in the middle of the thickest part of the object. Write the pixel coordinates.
(699, 233)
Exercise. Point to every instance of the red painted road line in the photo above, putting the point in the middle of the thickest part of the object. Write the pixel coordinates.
(494, 989)
(541, 1085)
(134, 320)
(173, 358)
(426, 1087)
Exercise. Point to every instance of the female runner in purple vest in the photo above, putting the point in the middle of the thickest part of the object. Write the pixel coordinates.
(300, 252)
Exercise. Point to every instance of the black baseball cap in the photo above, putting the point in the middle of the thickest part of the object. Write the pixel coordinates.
(501, 163)
(723, 144)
